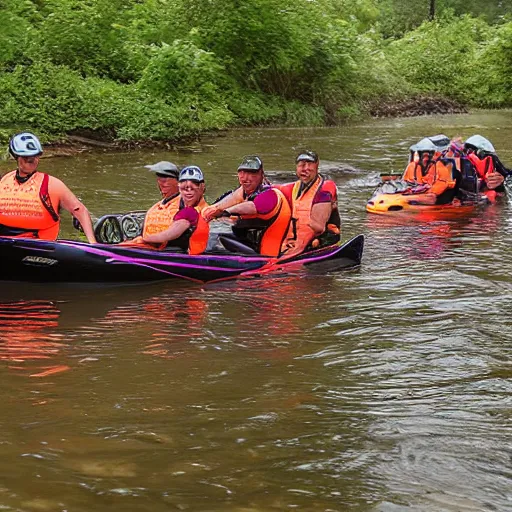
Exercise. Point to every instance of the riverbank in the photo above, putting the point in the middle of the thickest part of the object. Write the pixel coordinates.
(416, 106)
(88, 140)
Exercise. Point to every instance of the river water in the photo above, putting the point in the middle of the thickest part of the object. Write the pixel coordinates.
(382, 388)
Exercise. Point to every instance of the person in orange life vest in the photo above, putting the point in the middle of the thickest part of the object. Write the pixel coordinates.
(262, 210)
(160, 216)
(167, 175)
(437, 177)
(482, 155)
(252, 180)
(30, 200)
(314, 201)
(186, 228)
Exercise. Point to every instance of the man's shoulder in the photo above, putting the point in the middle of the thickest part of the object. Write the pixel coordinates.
(8, 173)
(285, 188)
(55, 183)
(328, 184)
(328, 187)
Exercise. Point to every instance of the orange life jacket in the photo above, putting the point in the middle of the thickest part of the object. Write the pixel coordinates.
(437, 175)
(414, 173)
(300, 233)
(160, 217)
(277, 221)
(28, 206)
(483, 166)
(198, 240)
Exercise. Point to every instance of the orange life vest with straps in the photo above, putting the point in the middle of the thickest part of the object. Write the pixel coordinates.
(276, 225)
(439, 176)
(27, 207)
(300, 234)
(483, 166)
(198, 241)
(160, 217)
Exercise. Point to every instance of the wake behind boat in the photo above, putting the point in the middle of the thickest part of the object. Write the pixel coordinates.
(66, 261)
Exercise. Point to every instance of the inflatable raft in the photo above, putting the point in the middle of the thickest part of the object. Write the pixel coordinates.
(399, 197)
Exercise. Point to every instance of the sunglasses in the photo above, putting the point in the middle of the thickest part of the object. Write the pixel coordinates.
(188, 186)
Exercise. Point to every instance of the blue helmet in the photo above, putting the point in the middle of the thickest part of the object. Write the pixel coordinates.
(25, 144)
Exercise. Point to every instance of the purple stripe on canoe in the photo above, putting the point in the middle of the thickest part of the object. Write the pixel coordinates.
(166, 272)
(137, 260)
(146, 263)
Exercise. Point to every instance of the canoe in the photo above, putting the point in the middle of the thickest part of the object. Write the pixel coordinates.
(67, 261)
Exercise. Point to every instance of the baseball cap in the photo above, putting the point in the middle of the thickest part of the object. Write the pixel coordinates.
(164, 168)
(251, 163)
(307, 156)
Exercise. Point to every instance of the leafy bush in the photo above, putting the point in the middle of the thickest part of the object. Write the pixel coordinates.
(163, 69)
(87, 36)
(15, 30)
(495, 67)
(441, 57)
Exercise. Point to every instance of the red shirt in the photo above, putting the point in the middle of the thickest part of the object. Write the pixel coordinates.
(265, 202)
(188, 213)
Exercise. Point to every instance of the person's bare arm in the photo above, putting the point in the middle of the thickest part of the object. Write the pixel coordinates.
(245, 208)
(175, 231)
(215, 210)
(73, 205)
(320, 214)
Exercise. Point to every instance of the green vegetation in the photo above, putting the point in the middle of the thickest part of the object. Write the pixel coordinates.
(165, 69)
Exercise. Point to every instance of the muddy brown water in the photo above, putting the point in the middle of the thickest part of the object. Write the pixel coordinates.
(384, 388)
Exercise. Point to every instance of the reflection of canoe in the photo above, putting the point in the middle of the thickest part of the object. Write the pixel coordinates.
(69, 261)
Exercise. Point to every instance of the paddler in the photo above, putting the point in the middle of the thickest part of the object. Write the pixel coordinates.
(491, 172)
(167, 174)
(424, 169)
(175, 220)
(314, 201)
(262, 211)
(30, 200)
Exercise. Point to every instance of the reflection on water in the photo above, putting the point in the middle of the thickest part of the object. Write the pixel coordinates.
(26, 335)
(382, 388)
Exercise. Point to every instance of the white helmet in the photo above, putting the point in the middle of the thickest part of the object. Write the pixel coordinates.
(192, 173)
(25, 144)
(424, 145)
(479, 142)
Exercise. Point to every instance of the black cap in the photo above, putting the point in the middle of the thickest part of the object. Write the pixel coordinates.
(307, 156)
(251, 163)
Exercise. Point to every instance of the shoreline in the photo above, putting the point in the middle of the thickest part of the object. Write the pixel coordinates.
(83, 141)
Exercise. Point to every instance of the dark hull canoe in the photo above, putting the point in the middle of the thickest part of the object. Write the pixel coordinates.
(66, 261)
